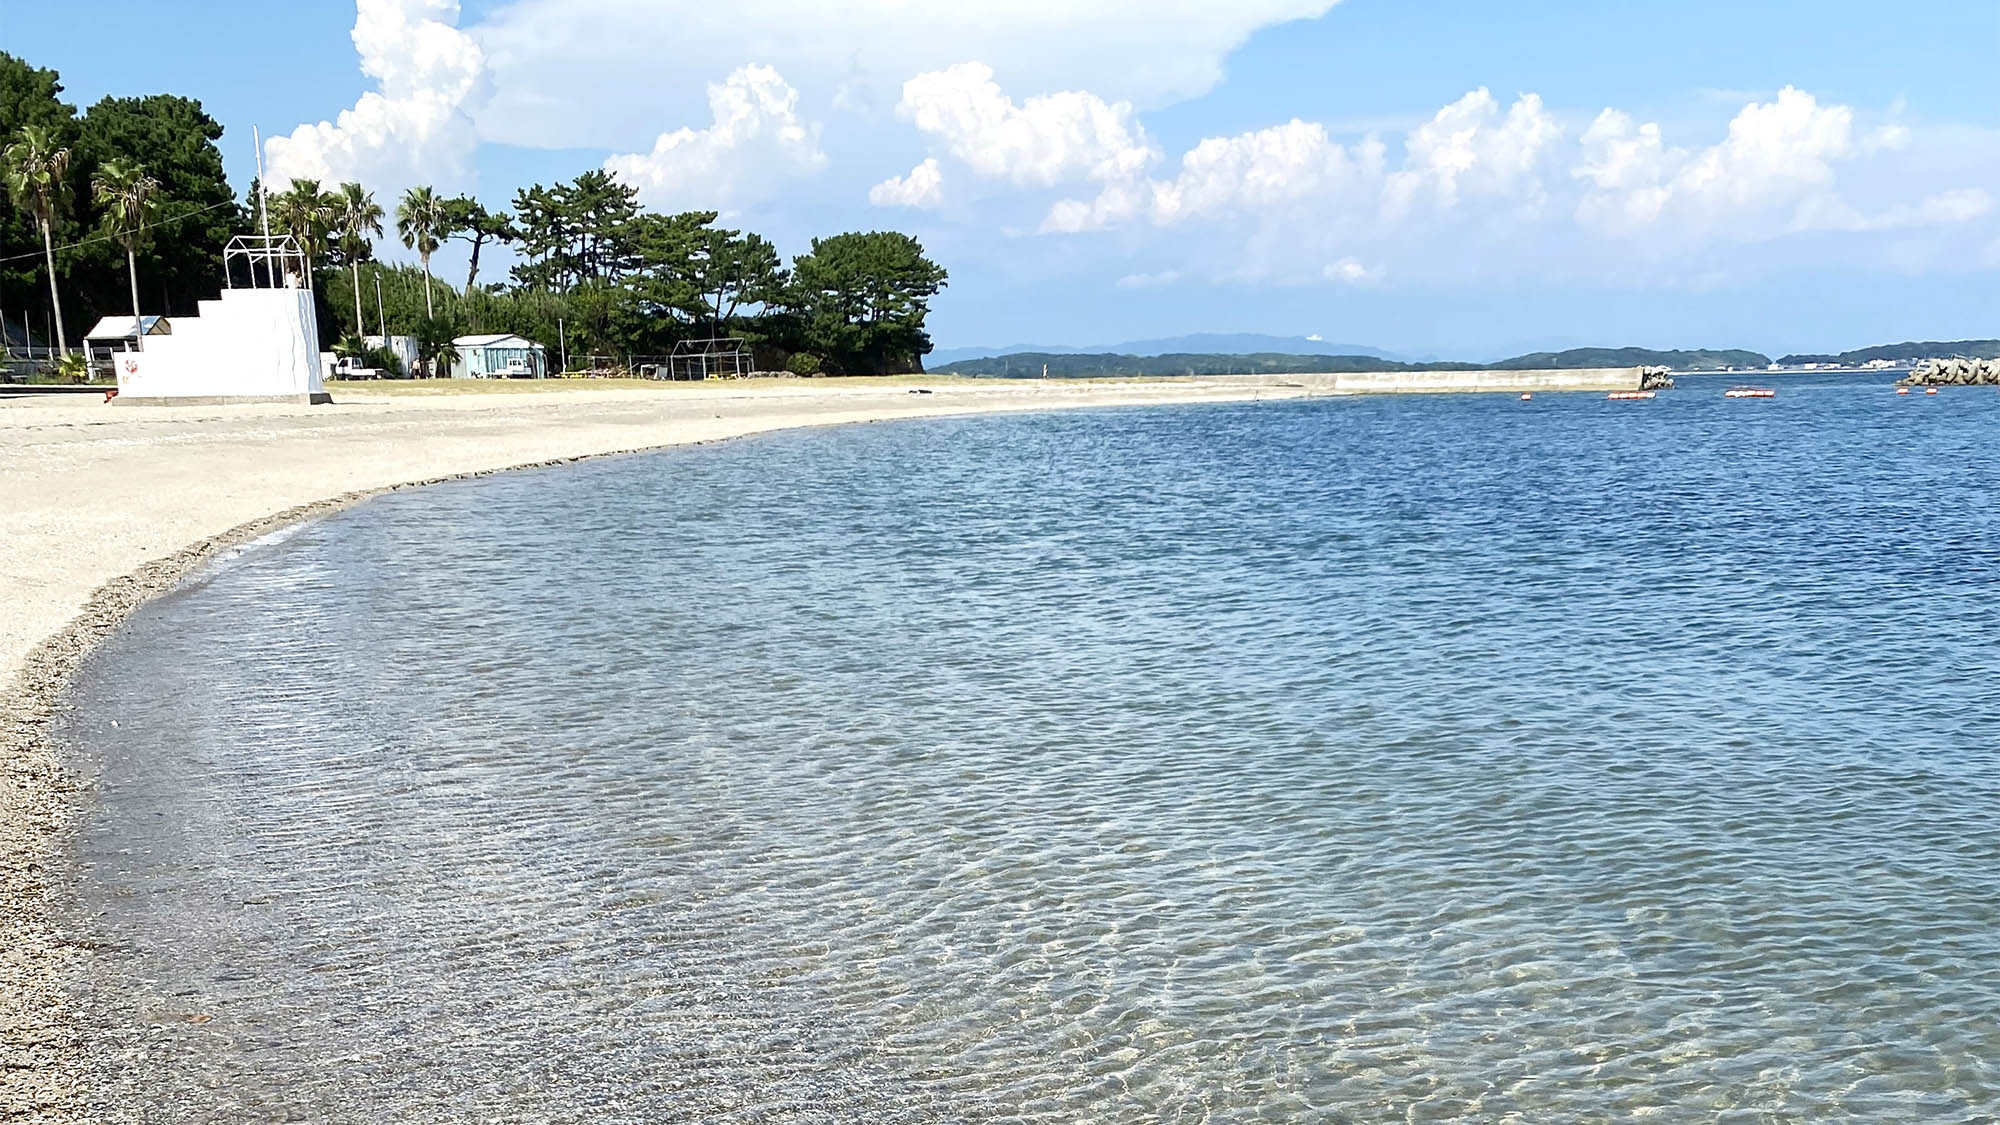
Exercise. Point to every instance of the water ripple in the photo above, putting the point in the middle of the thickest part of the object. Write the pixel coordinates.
(1455, 759)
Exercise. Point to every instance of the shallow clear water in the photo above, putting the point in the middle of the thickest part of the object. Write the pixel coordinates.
(1431, 759)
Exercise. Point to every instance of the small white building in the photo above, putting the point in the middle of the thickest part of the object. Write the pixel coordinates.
(404, 348)
(501, 356)
(115, 334)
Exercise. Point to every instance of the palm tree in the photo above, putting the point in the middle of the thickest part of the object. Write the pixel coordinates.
(422, 221)
(306, 213)
(127, 195)
(434, 344)
(447, 357)
(37, 171)
(357, 220)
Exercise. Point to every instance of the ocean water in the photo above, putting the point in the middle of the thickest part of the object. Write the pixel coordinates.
(1428, 759)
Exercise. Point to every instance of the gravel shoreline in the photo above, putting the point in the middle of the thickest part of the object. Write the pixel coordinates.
(103, 491)
(41, 1080)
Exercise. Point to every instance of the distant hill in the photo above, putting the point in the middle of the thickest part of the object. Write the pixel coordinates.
(1201, 343)
(1700, 359)
(1913, 350)
(1064, 365)
(1028, 365)
(1247, 343)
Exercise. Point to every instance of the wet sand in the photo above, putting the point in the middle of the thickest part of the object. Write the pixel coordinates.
(103, 506)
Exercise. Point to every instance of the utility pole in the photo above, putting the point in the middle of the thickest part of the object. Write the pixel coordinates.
(263, 202)
(562, 338)
(380, 320)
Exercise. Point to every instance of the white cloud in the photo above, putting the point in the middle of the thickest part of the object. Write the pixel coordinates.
(923, 187)
(1468, 148)
(1479, 183)
(1261, 169)
(417, 126)
(596, 72)
(1943, 209)
(1256, 169)
(1774, 172)
(1887, 138)
(1149, 280)
(1350, 271)
(1043, 140)
(756, 139)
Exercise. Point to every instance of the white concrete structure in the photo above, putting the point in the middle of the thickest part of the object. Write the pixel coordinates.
(251, 345)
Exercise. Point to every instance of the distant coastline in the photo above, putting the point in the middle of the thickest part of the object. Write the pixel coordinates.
(1072, 365)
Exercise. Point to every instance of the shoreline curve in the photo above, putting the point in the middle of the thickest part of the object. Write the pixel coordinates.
(41, 1076)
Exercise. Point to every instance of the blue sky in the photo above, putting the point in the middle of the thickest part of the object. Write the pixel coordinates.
(1437, 177)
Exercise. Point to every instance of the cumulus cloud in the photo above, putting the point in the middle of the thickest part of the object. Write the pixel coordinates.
(1476, 173)
(756, 139)
(1887, 138)
(1469, 148)
(1943, 209)
(1773, 172)
(1350, 271)
(1149, 280)
(923, 187)
(1256, 169)
(417, 125)
(596, 72)
(1043, 140)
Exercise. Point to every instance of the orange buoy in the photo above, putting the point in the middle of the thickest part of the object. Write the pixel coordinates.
(1902, 390)
(1750, 392)
(1527, 398)
(1631, 396)
(1930, 390)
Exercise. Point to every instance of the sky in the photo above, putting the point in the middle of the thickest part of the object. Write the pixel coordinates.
(1451, 178)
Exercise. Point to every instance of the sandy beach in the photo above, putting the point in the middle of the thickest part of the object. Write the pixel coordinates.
(105, 506)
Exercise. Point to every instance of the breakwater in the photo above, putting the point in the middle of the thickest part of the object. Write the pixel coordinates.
(1472, 381)
(1954, 373)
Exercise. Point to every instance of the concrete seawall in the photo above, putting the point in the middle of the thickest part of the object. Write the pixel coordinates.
(1457, 382)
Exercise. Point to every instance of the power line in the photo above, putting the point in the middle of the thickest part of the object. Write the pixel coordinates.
(110, 237)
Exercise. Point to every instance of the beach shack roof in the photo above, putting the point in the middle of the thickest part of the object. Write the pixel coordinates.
(120, 328)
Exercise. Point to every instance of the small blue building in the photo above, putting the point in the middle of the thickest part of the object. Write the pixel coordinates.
(499, 357)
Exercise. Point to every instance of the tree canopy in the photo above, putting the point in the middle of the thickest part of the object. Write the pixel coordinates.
(593, 271)
(864, 298)
(169, 140)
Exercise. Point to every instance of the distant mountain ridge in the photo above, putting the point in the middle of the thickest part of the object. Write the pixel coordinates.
(1068, 365)
(1697, 359)
(1199, 343)
(1911, 350)
(1063, 365)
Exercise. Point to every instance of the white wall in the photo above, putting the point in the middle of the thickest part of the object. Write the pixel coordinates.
(252, 343)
